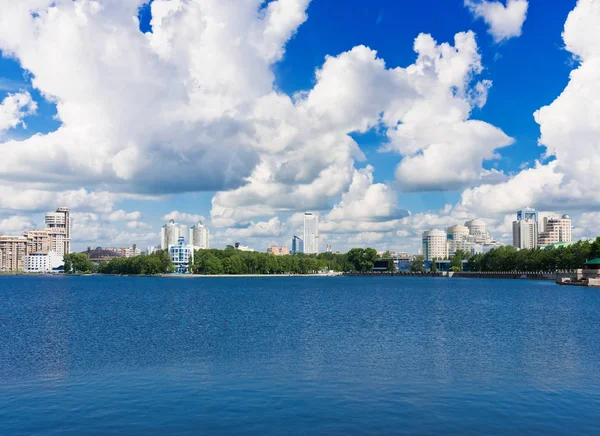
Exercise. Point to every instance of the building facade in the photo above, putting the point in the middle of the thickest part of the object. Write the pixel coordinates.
(525, 230)
(13, 250)
(182, 256)
(311, 233)
(297, 245)
(58, 225)
(38, 241)
(458, 239)
(278, 251)
(435, 245)
(199, 237)
(170, 234)
(556, 230)
(43, 262)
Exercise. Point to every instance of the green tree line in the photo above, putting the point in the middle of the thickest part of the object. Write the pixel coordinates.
(508, 258)
(155, 263)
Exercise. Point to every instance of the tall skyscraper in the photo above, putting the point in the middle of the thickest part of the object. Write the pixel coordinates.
(170, 234)
(435, 245)
(297, 245)
(311, 233)
(199, 237)
(556, 230)
(58, 225)
(525, 229)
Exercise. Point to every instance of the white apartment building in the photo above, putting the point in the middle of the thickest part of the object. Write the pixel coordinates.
(199, 237)
(556, 230)
(42, 262)
(182, 256)
(525, 234)
(435, 245)
(170, 234)
(58, 225)
(458, 239)
(477, 229)
(311, 233)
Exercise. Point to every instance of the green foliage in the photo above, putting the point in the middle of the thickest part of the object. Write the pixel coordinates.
(418, 264)
(456, 264)
(506, 259)
(434, 267)
(78, 263)
(158, 262)
(362, 259)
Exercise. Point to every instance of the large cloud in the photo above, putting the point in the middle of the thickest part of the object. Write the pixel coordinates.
(14, 108)
(505, 21)
(570, 130)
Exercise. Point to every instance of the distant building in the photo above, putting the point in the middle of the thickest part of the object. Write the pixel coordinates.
(182, 256)
(101, 255)
(435, 245)
(38, 241)
(311, 233)
(241, 247)
(528, 214)
(13, 250)
(126, 251)
(152, 249)
(278, 251)
(58, 225)
(170, 234)
(199, 237)
(525, 234)
(40, 262)
(458, 239)
(556, 230)
(477, 229)
(297, 245)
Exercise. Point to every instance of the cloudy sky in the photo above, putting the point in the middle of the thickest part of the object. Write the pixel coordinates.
(386, 117)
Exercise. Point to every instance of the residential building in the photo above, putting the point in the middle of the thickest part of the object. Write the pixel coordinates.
(126, 251)
(13, 250)
(170, 234)
(311, 233)
(528, 214)
(477, 229)
(556, 230)
(297, 245)
(38, 241)
(199, 237)
(458, 239)
(58, 225)
(182, 256)
(278, 251)
(40, 262)
(525, 233)
(152, 249)
(435, 245)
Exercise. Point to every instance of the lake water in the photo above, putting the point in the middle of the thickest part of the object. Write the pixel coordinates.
(98, 355)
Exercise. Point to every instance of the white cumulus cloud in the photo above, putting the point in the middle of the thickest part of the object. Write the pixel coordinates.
(504, 19)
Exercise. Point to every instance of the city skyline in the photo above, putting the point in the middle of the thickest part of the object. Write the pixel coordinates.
(379, 173)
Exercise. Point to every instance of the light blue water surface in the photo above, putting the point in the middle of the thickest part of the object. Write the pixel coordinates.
(101, 355)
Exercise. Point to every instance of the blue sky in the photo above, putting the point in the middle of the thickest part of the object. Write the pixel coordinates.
(528, 71)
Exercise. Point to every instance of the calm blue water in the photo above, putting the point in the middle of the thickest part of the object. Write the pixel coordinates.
(98, 355)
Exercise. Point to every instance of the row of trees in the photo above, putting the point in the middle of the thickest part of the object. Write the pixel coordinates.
(230, 261)
(155, 263)
(510, 259)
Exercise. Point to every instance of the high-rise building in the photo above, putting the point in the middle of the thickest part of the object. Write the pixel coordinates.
(477, 228)
(170, 234)
(38, 241)
(525, 234)
(556, 230)
(435, 245)
(199, 237)
(277, 251)
(297, 245)
(311, 233)
(182, 256)
(13, 250)
(458, 239)
(58, 225)
(525, 229)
